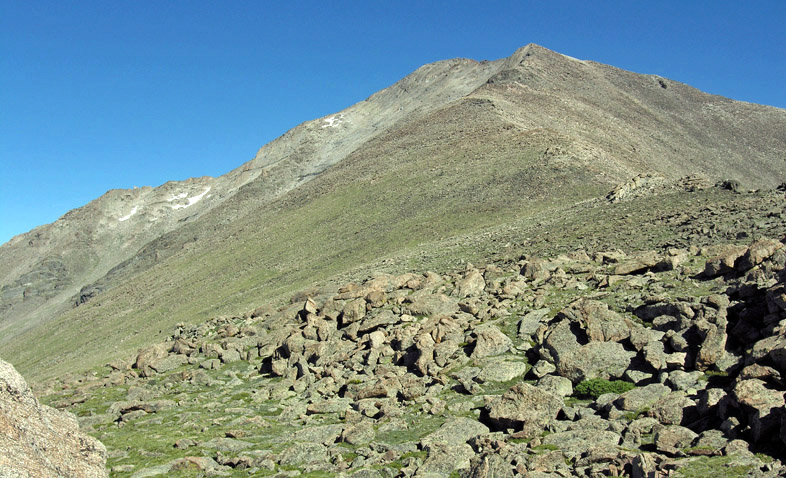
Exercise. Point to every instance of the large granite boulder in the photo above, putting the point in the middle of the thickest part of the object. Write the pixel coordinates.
(39, 441)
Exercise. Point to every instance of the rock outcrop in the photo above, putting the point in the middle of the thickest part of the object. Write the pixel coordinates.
(39, 441)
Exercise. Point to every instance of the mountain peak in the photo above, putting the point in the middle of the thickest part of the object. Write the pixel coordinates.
(529, 50)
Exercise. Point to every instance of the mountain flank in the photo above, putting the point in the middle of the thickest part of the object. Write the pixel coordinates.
(457, 149)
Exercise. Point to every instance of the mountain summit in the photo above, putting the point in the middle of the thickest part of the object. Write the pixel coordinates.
(456, 151)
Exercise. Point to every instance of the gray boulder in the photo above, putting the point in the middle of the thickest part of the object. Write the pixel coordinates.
(641, 397)
(455, 431)
(471, 285)
(672, 438)
(525, 407)
(760, 405)
(490, 341)
(595, 360)
(573, 443)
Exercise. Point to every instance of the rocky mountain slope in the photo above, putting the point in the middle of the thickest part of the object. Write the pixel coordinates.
(52, 267)
(458, 149)
(590, 363)
(316, 312)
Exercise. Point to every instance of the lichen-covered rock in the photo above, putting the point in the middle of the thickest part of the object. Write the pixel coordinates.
(148, 357)
(36, 440)
(595, 360)
(405, 374)
(641, 397)
(525, 407)
(455, 431)
(672, 438)
(471, 285)
(760, 406)
(759, 251)
(490, 341)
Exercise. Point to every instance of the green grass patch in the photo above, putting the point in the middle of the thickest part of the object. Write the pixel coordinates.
(634, 415)
(596, 387)
(713, 466)
(545, 447)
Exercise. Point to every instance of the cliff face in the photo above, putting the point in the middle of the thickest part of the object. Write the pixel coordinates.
(37, 440)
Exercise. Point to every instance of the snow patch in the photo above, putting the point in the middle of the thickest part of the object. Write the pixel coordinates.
(175, 198)
(333, 121)
(191, 201)
(126, 218)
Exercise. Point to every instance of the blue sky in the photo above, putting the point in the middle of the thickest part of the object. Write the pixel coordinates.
(116, 94)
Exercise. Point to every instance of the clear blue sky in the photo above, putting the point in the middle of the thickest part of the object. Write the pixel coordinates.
(116, 94)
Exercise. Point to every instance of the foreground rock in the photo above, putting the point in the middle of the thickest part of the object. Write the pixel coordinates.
(39, 441)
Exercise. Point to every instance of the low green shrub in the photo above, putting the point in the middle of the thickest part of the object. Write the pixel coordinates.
(596, 387)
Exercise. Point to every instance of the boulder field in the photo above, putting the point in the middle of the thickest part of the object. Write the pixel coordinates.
(586, 364)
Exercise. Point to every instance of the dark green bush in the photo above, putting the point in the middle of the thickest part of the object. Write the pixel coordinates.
(596, 387)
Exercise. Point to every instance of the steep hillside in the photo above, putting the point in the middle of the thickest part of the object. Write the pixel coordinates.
(454, 153)
(49, 269)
